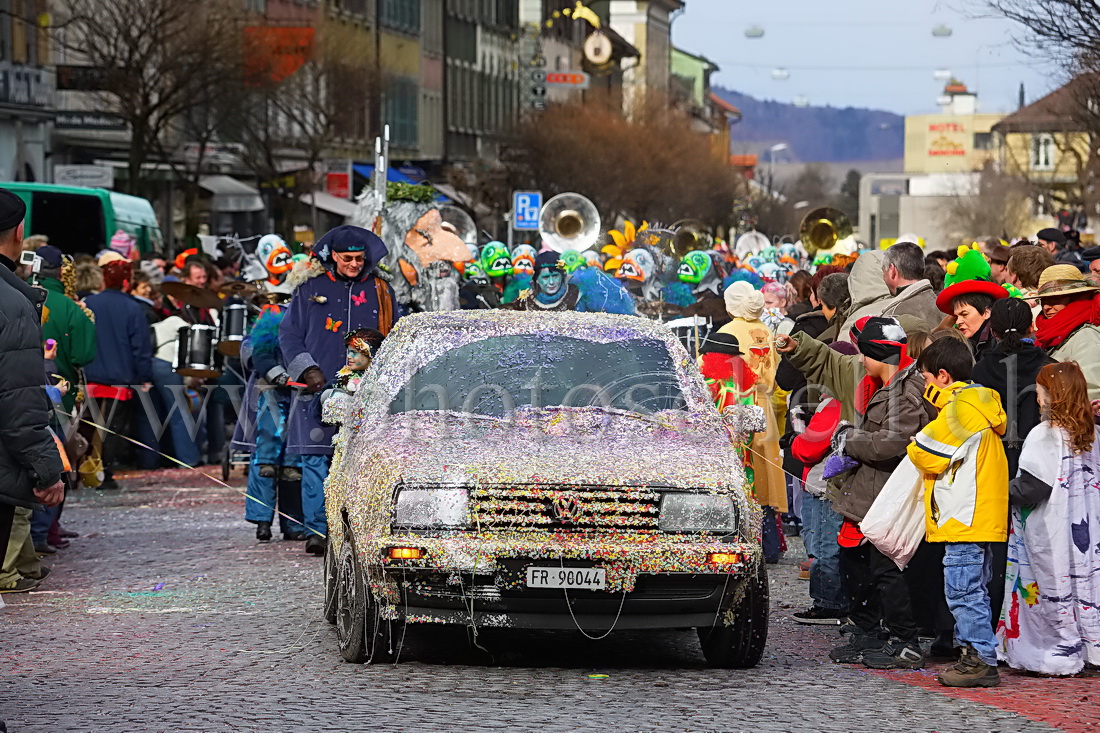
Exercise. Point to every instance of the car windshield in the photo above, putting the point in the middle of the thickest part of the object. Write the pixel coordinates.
(495, 376)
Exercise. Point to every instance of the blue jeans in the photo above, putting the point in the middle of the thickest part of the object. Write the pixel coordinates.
(967, 567)
(270, 450)
(172, 404)
(314, 473)
(820, 525)
(41, 520)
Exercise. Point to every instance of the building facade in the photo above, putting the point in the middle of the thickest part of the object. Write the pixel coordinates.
(958, 139)
(26, 92)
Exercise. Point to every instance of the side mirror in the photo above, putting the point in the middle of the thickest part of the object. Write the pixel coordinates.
(745, 419)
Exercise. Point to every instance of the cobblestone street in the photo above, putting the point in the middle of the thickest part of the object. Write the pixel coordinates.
(166, 615)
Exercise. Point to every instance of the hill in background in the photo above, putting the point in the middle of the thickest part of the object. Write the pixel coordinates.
(818, 134)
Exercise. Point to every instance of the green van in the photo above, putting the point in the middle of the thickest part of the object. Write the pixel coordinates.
(83, 220)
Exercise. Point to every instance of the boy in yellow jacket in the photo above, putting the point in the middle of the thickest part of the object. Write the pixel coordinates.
(965, 499)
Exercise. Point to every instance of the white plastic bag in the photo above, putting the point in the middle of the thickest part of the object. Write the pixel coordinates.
(895, 521)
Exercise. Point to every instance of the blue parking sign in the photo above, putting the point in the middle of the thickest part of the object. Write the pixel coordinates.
(526, 206)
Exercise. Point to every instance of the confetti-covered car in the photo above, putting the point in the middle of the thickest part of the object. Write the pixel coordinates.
(544, 471)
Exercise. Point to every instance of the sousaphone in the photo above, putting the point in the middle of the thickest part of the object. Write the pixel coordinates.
(822, 228)
(569, 221)
(459, 222)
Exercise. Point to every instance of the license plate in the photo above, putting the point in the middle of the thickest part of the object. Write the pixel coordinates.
(580, 578)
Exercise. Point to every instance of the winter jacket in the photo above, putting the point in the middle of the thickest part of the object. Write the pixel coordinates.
(66, 323)
(811, 445)
(124, 349)
(1012, 376)
(29, 458)
(965, 487)
(1083, 347)
(918, 300)
(893, 415)
(788, 377)
(868, 290)
(323, 309)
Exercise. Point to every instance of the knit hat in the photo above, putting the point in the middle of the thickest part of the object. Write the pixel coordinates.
(12, 210)
(546, 259)
(743, 301)
(721, 343)
(881, 338)
(968, 273)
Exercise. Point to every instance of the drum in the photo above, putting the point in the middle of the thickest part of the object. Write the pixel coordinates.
(691, 332)
(234, 327)
(195, 353)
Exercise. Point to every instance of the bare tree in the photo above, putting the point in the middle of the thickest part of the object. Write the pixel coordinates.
(158, 61)
(998, 207)
(649, 166)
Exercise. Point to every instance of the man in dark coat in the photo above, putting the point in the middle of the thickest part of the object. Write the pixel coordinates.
(30, 463)
(123, 360)
(341, 293)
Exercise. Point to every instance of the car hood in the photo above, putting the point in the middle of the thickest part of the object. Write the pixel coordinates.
(560, 448)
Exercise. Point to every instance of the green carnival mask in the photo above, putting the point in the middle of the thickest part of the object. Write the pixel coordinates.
(496, 261)
(694, 267)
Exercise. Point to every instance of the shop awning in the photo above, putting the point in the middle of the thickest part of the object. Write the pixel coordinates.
(328, 202)
(231, 195)
(392, 174)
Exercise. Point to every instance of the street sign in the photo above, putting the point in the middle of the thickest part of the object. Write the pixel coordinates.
(571, 79)
(526, 206)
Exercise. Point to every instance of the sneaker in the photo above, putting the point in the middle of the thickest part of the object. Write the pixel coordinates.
(21, 586)
(43, 573)
(895, 654)
(267, 470)
(263, 531)
(291, 474)
(858, 644)
(44, 549)
(820, 616)
(970, 671)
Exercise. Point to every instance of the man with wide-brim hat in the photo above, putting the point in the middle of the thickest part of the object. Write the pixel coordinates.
(1067, 327)
(968, 297)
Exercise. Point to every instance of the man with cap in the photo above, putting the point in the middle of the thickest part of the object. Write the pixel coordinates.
(1060, 247)
(889, 408)
(341, 292)
(30, 463)
(550, 287)
(65, 322)
(998, 255)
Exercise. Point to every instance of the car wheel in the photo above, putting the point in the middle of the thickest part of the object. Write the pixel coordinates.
(330, 584)
(351, 606)
(741, 645)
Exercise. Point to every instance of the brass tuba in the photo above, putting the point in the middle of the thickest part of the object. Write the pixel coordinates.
(569, 221)
(457, 221)
(691, 235)
(822, 228)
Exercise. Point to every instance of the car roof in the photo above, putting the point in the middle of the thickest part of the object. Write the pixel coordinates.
(594, 326)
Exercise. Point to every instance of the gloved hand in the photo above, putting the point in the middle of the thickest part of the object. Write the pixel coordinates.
(840, 437)
(281, 380)
(836, 465)
(314, 379)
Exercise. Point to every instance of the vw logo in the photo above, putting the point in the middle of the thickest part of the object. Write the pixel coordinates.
(565, 509)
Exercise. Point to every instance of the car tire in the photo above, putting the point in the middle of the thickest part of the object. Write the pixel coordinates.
(330, 584)
(351, 606)
(741, 645)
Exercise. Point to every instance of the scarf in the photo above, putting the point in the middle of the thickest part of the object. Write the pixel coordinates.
(1051, 332)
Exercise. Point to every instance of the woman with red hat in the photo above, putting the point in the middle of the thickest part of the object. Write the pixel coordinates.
(969, 296)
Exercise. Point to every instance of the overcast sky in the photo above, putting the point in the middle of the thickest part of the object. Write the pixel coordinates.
(861, 53)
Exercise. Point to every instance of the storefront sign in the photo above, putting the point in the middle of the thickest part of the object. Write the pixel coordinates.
(88, 121)
(89, 176)
(338, 185)
(23, 86)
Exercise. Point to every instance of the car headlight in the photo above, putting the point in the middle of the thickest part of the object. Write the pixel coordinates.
(697, 513)
(431, 508)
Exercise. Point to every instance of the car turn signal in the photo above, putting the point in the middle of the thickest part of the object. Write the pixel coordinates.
(724, 558)
(406, 553)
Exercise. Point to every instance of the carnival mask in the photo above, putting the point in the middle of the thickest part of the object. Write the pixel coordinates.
(474, 271)
(694, 267)
(638, 265)
(276, 257)
(523, 260)
(572, 260)
(432, 242)
(495, 259)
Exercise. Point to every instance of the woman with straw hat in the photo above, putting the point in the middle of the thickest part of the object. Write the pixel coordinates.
(1067, 327)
